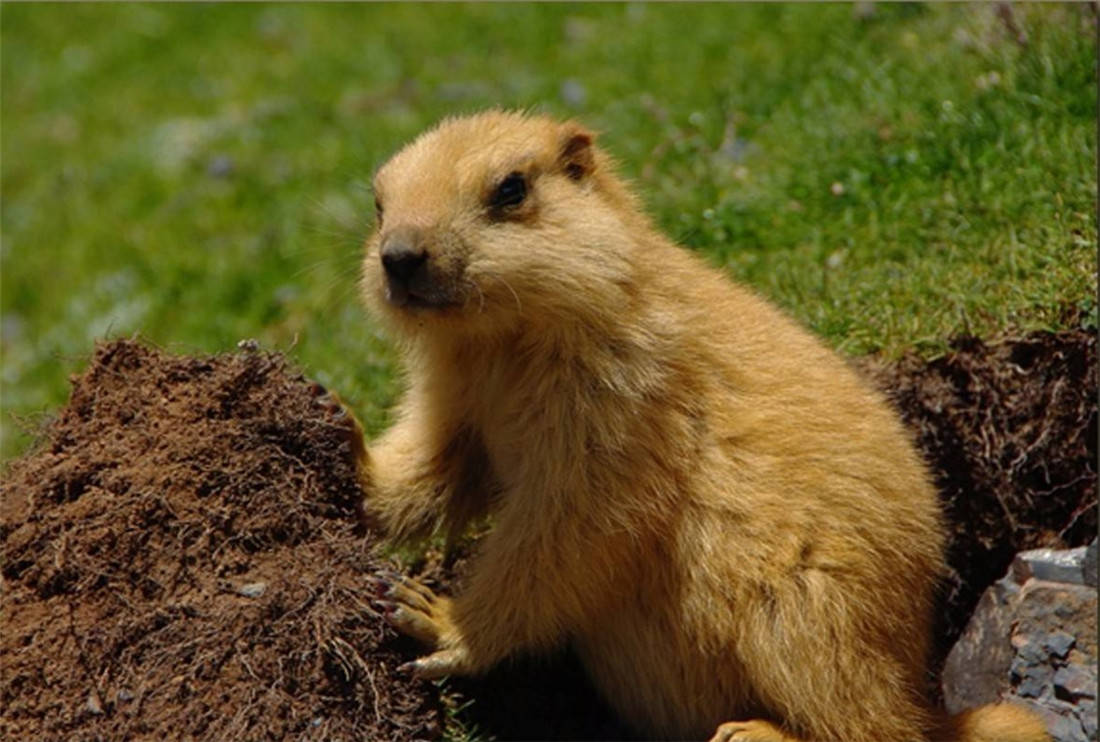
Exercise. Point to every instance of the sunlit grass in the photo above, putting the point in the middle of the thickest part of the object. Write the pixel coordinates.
(199, 174)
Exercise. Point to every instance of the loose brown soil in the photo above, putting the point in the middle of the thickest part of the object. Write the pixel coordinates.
(182, 556)
(181, 559)
(1010, 431)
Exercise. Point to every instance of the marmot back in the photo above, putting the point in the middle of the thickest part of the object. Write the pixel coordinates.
(707, 502)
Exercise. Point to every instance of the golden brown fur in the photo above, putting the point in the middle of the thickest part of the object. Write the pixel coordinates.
(722, 518)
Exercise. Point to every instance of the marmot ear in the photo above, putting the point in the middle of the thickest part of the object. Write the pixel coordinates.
(576, 158)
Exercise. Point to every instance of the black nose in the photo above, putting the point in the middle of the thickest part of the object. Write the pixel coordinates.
(401, 259)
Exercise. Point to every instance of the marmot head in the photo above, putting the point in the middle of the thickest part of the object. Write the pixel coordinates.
(497, 219)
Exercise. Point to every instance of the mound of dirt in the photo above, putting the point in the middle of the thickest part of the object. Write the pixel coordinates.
(182, 554)
(1010, 430)
(181, 560)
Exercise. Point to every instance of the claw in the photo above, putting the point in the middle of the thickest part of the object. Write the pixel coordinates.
(406, 595)
(439, 664)
(388, 575)
(377, 586)
(417, 624)
(417, 587)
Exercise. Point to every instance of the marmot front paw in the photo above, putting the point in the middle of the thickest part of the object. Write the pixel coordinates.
(416, 611)
(340, 416)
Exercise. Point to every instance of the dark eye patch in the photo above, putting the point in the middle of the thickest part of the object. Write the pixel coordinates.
(510, 192)
(377, 211)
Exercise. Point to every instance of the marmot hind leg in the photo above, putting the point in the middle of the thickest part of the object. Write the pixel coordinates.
(830, 664)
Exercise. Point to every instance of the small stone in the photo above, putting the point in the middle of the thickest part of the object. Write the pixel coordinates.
(1034, 680)
(1074, 682)
(1059, 719)
(1058, 643)
(1086, 714)
(125, 695)
(252, 589)
(1028, 650)
(1066, 729)
(220, 166)
(1032, 641)
(573, 93)
(1052, 565)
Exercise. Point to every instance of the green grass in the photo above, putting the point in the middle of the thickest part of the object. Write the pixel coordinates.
(199, 174)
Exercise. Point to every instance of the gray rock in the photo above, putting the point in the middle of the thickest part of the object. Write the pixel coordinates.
(1033, 638)
(1089, 568)
(1074, 682)
(1086, 714)
(252, 589)
(1032, 680)
(1029, 651)
(977, 669)
(1053, 565)
(1058, 643)
(1062, 725)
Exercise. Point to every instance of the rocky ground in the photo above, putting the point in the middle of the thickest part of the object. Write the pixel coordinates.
(182, 558)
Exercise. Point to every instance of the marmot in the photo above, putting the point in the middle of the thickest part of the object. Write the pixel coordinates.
(732, 529)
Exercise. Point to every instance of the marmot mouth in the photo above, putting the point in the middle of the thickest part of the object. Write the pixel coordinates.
(401, 296)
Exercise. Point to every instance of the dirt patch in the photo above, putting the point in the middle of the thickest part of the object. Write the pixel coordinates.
(181, 560)
(1010, 431)
(182, 556)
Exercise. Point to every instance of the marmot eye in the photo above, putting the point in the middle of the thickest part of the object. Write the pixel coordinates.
(511, 192)
(377, 211)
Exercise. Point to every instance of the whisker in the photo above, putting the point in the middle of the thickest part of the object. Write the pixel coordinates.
(519, 304)
(480, 296)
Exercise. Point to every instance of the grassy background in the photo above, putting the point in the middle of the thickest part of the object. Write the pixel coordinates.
(891, 174)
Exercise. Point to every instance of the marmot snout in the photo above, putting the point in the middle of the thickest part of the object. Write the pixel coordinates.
(412, 277)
